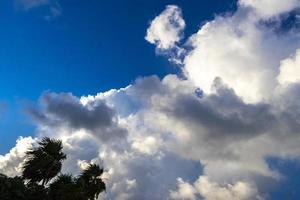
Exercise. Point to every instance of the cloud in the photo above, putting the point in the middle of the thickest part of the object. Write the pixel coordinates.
(11, 163)
(185, 191)
(214, 191)
(146, 145)
(167, 28)
(236, 61)
(270, 8)
(289, 69)
(29, 4)
(169, 123)
(240, 52)
(67, 111)
(217, 129)
(51, 9)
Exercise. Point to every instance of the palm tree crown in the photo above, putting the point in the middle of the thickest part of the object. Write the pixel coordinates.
(43, 162)
(65, 187)
(92, 182)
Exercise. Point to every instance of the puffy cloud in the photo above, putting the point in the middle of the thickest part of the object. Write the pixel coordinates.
(290, 69)
(214, 191)
(83, 164)
(185, 191)
(167, 28)
(146, 145)
(236, 61)
(11, 163)
(219, 130)
(172, 124)
(67, 111)
(269, 8)
(147, 171)
(240, 52)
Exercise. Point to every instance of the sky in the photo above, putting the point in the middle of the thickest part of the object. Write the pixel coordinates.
(198, 96)
(86, 49)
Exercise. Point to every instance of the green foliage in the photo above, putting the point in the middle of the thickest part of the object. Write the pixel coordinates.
(44, 163)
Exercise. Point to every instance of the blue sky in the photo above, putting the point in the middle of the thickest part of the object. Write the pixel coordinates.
(91, 47)
(239, 139)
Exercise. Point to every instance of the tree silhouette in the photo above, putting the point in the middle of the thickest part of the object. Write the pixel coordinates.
(12, 188)
(91, 181)
(65, 187)
(36, 192)
(44, 162)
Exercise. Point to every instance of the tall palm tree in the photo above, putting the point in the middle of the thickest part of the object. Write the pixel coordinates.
(91, 181)
(44, 162)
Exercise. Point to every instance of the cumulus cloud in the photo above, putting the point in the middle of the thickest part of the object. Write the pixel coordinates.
(172, 124)
(270, 8)
(167, 28)
(11, 163)
(290, 69)
(214, 191)
(185, 191)
(239, 51)
(67, 111)
(217, 129)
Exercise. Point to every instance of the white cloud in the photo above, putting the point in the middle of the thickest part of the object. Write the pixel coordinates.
(167, 28)
(214, 191)
(244, 55)
(67, 112)
(83, 164)
(290, 69)
(11, 163)
(146, 145)
(185, 191)
(219, 130)
(238, 49)
(270, 8)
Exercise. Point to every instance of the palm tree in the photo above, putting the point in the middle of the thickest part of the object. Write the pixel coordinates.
(65, 187)
(44, 162)
(91, 181)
